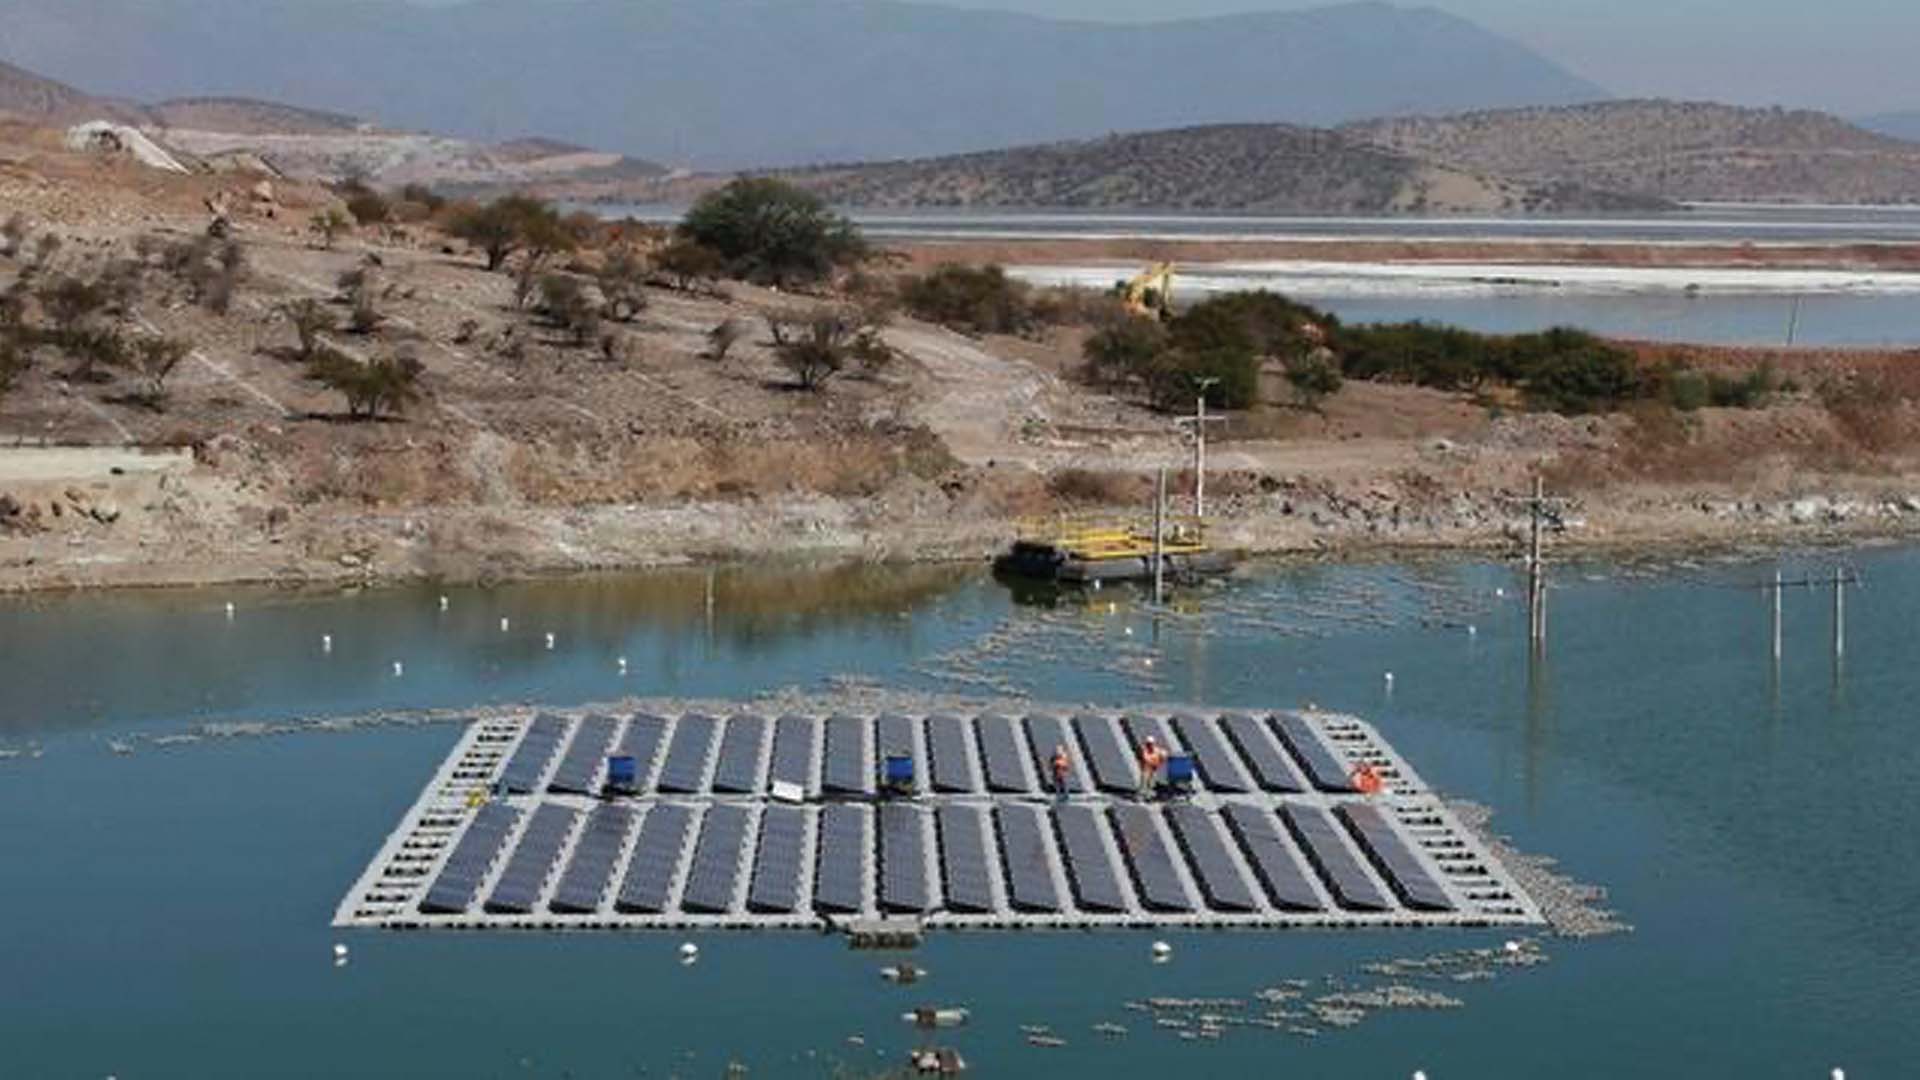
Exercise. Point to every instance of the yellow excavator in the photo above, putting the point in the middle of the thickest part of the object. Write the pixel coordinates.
(1150, 292)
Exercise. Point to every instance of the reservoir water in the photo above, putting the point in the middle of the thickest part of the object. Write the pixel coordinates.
(168, 888)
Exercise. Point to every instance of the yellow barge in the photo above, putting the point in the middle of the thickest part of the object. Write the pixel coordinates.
(1080, 552)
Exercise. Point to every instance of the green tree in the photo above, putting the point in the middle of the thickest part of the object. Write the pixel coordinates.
(1314, 377)
(689, 265)
(773, 233)
(815, 345)
(974, 299)
(386, 384)
(1123, 351)
(509, 224)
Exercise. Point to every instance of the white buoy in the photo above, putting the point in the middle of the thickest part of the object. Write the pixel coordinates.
(689, 949)
(229, 609)
(1513, 946)
(443, 603)
(504, 624)
(1129, 631)
(1389, 680)
(1839, 1074)
(1419, 1074)
(1161, 948)
(326, 642)
(623, 665)
(1472, 630)
(549, 641)
(339, 949)
(1500, 592)
(399, 669)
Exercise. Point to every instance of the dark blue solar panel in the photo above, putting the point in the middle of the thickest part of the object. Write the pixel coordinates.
(1395, 861)
(952, 767)
(1002, 753)
(903, 859)
(793, 745)
(715, 875)
(1271, 858)
(656, 859)
(1198, 834)
(535, 752)
(1154, 878)
(1320, 839)
(838, 883)
(588, 872)
(963, 860)
(641, 742)
(1323, 765)
(472, 858)
(685, 769)
(1108, 756)
(775, 888)
(585, 762)
(1219, 766)
(1272, 769)
(1089, 869)
(738, 771)
(894, 735)
(532, 861)
(847, 769)
(1043, 734)
(1025, 841)
(1139, 727)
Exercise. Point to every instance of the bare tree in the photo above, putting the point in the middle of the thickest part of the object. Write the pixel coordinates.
(310, 319)
(153, 360)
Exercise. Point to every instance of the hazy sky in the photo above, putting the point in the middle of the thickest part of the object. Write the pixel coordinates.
(1850, 56)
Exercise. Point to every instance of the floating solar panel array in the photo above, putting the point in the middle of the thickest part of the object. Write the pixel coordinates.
(1269, 836)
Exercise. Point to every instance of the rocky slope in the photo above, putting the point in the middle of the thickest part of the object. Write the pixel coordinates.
(1666, 149)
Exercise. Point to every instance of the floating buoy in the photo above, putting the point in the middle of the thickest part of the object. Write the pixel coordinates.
(688, 950)
(504, 624)
(443, 603)
(549, 641)
(1512, 946)
(1472, 630)
(623, 665)
(1839, 1074)
(1499, 592)
(1129, 631)
(1389, 680)
(326, 642)
(229, 609)
(1161, 948)
(339, 949)
(1419, 1074)
(399, 669)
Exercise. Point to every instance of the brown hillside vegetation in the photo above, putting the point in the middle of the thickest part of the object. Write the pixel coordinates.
(1670, 150)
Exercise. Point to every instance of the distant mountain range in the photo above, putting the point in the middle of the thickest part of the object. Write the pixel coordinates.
(1670, 150)
(753, 83)
(1259, 167)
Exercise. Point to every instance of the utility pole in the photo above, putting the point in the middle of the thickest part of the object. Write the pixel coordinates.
(1537, 507)
(1200, 420)
(1159, 536)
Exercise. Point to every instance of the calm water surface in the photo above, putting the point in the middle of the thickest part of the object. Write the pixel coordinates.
(165, 912)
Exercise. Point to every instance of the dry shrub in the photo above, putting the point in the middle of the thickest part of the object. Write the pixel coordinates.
(1101, 487)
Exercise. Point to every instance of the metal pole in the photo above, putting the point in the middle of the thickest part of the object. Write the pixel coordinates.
(1200, 457)
(1839, 613)
(1159, 536)
(1776, 616)
(1536, 571)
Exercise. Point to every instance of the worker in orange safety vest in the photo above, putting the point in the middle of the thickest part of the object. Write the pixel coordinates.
(1062, 771)
(1152, 758)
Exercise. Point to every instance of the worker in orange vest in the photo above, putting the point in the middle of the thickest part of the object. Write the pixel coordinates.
(1062, 770)
(1152, 757)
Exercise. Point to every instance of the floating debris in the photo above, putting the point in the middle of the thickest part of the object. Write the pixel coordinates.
(1572, 909)
(1109, 1028)
(1048, 1041)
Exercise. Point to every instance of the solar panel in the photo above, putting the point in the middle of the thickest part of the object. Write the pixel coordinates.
(1154, 878)
(794, 738)
(586, 758)
(532, 861)
(1271, 858)
(952, 767)
(656, 859)
(584, 882)
(473, 856)
(715, 875)
(775, 888)
(1001, 752)
(895, 735)
(903, 859)
(1221, 883)
(1271, 767)
(1219, 765)
(1108, 757)
(1395, 861)
(1024, 843)
(1089, 870)
(1320, 839)
(963, 859)
(1323, 766)
(686, 766)
(535, 752)
(1043, 734)
(641, 742)
(838, 885)
(1139, 727)
(847, 770)
(738, 772)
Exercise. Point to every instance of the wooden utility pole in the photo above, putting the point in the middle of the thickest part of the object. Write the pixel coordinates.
(1538, 506)
(1200, 420)
(1159, 536)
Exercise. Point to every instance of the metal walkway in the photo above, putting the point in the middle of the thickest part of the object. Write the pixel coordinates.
(511, 831)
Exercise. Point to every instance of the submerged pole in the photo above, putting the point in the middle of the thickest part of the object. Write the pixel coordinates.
(1839, 613)
(1776, 615)
(1159, 536)
(1536, 570)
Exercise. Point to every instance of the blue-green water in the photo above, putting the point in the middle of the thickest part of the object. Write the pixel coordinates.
(165, 912)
